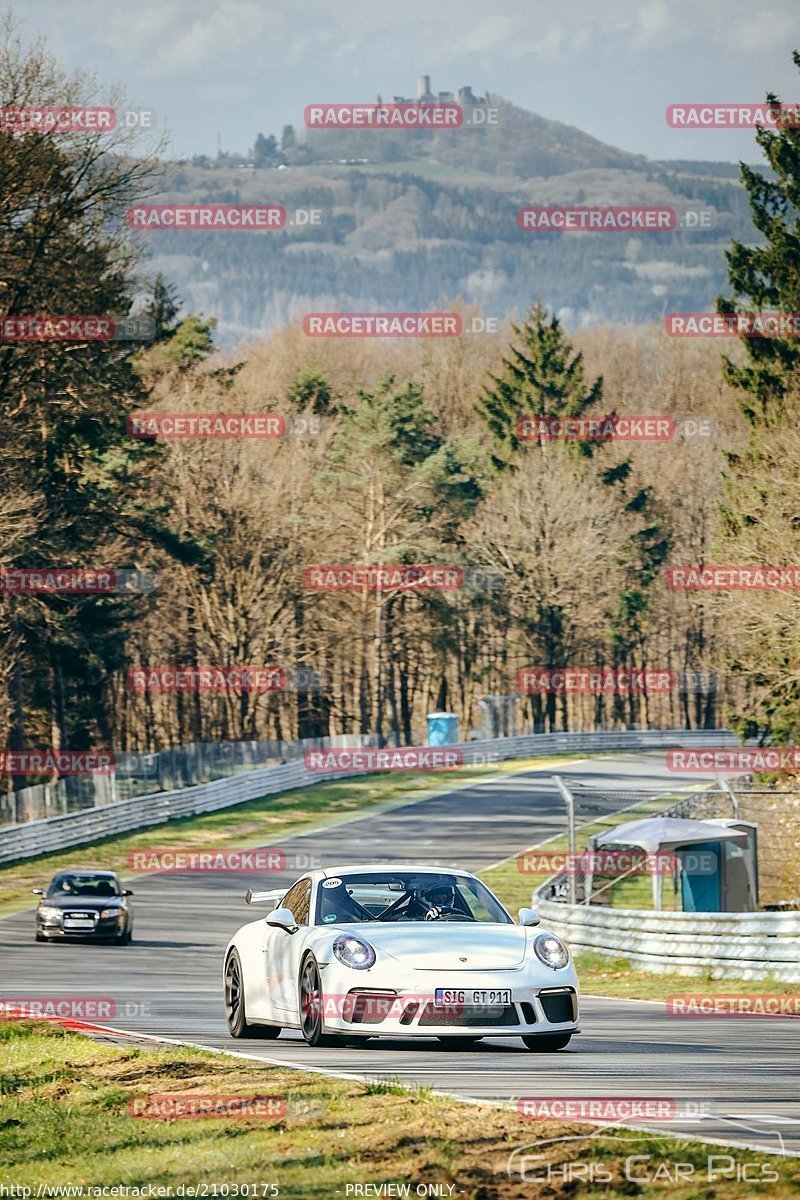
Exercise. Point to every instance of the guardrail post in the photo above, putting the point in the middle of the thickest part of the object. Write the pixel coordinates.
(569, 800)
(726, 787)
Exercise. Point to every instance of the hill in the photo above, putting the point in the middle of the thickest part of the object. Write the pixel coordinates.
(414, 220)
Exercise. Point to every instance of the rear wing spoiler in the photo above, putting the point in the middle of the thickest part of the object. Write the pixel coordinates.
(272, 899)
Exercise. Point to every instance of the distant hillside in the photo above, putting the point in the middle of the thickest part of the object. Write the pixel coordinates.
(520, 144)
(419, 231)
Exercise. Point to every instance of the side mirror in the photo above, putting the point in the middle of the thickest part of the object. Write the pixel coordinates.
(38, 891)
(528, 916)
(127, 892)
(282, 918)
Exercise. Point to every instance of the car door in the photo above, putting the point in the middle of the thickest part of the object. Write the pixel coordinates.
(283, 951)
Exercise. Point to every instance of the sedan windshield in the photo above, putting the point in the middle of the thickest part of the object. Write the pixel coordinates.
(88, 886)
(406, 896)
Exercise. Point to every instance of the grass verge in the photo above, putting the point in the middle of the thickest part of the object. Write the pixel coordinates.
(256, 822)
(65, 1119)
(617, 977)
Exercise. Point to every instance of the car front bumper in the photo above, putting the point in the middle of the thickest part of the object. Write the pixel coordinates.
(370, 1009)
(111, 927)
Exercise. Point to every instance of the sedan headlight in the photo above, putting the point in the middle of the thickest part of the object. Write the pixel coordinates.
(49, 913)
(551, 950)
(353, 952)
(110, 912)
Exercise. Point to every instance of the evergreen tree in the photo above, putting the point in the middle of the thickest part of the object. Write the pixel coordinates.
(63, 442)
(766, 277)
(311, 390)
(760, 505)
(543, 377)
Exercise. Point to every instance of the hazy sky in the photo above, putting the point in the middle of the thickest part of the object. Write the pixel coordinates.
(235, 67)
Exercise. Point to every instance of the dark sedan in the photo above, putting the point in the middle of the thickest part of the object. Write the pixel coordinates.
(84, 904)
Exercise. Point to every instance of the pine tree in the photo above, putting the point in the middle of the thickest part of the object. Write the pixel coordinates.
(766, 277)
(761, 495)
(543, 377)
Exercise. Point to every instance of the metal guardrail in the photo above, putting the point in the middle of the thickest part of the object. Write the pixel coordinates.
(723, 945)
(139, 773)
(751, 945)
(33, 838)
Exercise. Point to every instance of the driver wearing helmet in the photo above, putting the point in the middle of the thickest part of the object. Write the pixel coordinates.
(437, 901)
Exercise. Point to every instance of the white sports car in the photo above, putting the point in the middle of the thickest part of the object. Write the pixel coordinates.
(398, 951)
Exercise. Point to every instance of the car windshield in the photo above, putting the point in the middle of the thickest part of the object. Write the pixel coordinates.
(406, 896)
(88, 886)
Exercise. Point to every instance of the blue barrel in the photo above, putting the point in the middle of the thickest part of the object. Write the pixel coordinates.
(442, 729)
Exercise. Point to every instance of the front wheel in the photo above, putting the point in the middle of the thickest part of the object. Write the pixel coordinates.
(311, 1007)
(552, 1041)
(234, 1003)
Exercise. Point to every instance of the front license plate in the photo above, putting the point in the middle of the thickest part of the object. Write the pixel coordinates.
(78, 923)
(471, 997)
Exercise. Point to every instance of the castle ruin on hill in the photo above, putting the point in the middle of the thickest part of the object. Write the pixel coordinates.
(463, 95)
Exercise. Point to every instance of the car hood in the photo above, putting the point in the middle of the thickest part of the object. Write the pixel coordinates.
(449, 946)
(81, 903)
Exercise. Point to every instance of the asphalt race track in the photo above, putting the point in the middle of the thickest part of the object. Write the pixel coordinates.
(741, 1072)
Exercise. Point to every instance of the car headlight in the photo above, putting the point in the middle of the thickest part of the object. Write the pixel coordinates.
(110, 912)
(353, 952)
(551, 950)
(48, 913)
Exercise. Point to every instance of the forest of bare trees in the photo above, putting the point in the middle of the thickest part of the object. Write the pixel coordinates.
(395, 452)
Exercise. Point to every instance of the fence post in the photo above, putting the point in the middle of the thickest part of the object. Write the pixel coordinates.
(569, 800)
(726, 787)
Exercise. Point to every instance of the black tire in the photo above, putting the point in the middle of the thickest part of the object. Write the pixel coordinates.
(459, 1043)
(125, 938)
(548, 1042)
(40, 937)
(238, 1025)
(309, 993)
